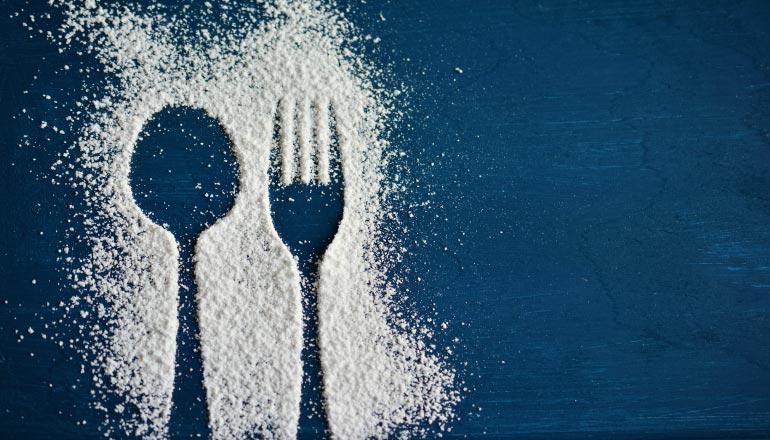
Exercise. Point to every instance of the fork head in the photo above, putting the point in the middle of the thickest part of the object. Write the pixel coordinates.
(306, 182)
(303, 141)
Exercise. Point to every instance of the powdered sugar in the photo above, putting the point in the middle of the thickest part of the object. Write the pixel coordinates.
(288, 58)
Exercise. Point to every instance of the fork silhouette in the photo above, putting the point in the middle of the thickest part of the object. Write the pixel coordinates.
(306, 207)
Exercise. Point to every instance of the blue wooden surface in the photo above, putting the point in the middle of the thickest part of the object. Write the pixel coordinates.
(599, 233)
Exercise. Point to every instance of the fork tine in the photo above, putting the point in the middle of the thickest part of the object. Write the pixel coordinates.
(322, 133)
(304, 139)
(287, 111)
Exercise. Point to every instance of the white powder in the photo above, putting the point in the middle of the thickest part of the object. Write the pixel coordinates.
(380, 376)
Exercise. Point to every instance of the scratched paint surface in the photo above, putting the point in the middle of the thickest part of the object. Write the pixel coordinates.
(599, 236)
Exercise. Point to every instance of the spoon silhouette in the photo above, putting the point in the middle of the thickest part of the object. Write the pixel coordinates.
(183, 176)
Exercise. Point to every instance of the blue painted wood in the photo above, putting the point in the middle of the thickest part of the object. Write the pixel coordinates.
(598, 234)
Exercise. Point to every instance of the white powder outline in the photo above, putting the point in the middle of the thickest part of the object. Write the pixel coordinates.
(376, 378)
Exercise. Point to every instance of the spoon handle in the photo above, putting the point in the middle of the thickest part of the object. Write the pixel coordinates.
(189, 398)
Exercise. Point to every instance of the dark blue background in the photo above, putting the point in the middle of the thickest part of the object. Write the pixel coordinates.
(600, 179)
